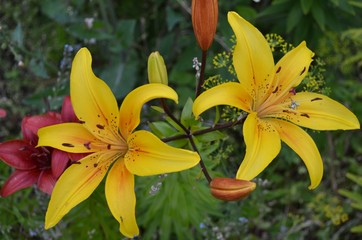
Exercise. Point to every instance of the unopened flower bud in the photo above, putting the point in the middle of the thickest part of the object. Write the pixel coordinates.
(204, 21)
(157, 72)
(230, 189)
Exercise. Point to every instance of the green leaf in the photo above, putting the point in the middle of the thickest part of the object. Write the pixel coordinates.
(355, 178)
(344, 5)
(173, 18)
(125, 30)
(318, 15)
(17, 35)
(277, 7)
(217, 115)
(351, 195)
(357, 205)
(162, 129)
(294, 17)
(356, 3)
(158, 109)
(120, 75)
(181, 202)
(79, 30)
(211, 136)
(57, 10)
(246, 11)
(187, 117)
(353, 33)
(357, 229)
(174, 124)
(38, 68)
(306, 6)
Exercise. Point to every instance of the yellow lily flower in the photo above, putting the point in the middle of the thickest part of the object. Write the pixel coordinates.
(107, 134)
(266, 91)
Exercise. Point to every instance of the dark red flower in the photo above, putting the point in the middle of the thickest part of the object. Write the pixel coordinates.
(2, 113)
(43, 165)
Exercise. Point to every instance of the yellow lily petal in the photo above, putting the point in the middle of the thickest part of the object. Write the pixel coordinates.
(301, 143)
(92, 99)
(121, 198)
(76, 184)
(148, 155)
(129, 114)
(252, 58)
(230, 93)
(292, 68)
(262, 146)
(69, 137)
(319, 112)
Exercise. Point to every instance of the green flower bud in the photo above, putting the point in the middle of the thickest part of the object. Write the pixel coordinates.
(157, 72)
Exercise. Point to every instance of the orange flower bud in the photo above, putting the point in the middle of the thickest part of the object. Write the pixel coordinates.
(204, 21)
(230, 189)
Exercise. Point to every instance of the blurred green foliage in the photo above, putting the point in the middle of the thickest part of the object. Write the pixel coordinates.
(354, 196)
(38, 40)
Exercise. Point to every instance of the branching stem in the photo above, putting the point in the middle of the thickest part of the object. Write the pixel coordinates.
(188, 135)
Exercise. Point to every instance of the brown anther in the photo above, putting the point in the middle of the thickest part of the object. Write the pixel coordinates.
(87, 145)
(67, 145)
(315, 99)
(303, 71)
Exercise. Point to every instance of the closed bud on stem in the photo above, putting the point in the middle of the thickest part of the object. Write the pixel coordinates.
(230, 189)
(157, 72)
(204, 21)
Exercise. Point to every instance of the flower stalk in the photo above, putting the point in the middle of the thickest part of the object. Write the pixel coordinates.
(189, 136)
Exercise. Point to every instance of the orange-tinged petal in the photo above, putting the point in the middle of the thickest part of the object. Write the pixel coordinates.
(121, 198)
(301, 143)
(69, 137)
(319, 112)
(262, 146)
(76, 184)
(148, 155)
(231, 93)
(129, 114)
(92, 99)
(252, 58)
(291, 69)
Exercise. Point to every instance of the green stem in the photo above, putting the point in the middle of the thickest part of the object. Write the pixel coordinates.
(188, 135)
(204, 131)
(202, 73)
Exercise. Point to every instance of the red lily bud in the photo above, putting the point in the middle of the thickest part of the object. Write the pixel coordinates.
(230, 189)
(204, 21)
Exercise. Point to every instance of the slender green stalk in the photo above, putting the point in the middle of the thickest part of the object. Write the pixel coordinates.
(202, 74)
(188, 135)
(206, 130)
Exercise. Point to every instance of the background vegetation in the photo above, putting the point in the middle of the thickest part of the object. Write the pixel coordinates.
(38, 40)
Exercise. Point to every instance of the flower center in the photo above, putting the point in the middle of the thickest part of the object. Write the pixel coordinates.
(42, 158)
(277, 103)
